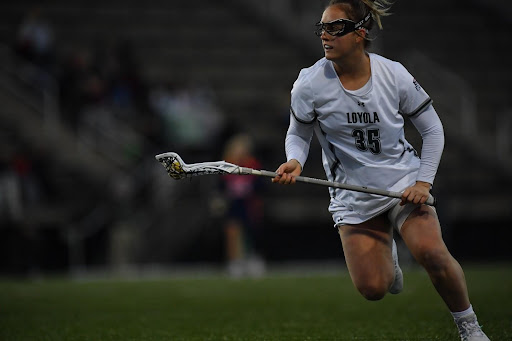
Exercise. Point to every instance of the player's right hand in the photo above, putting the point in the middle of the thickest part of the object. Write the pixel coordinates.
(287, 172)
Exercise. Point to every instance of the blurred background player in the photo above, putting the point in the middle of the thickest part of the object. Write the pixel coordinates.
(243, 210)
(355, 102)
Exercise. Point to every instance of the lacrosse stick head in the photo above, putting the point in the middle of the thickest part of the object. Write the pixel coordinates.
(178, 169)
(173, 165)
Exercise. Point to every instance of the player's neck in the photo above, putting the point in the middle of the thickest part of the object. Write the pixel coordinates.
(353, 72)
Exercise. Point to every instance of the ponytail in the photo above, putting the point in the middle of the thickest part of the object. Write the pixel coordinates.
(378, 8)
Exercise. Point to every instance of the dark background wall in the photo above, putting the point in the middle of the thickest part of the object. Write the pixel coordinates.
(91, 91)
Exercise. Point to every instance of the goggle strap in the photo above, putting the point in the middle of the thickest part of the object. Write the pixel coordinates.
(364, 20)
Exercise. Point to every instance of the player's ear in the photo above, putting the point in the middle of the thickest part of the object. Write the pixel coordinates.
(360, 35)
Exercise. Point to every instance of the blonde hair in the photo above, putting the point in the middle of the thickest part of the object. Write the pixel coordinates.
(358, 9)
(379, 8)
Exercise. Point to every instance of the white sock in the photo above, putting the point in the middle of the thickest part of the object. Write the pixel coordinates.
(458, 314)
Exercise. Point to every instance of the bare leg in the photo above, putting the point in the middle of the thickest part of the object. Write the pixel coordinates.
(367, 250)
(421, 233)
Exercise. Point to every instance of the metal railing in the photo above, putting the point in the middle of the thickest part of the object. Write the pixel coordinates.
(37, 92)
(38, 80)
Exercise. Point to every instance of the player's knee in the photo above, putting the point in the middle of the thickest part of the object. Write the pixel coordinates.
(372, 292)
(434, 260)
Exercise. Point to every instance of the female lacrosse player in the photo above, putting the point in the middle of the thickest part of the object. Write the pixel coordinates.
(355, 102)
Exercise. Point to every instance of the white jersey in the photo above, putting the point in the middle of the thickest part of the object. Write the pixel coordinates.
(361, 133)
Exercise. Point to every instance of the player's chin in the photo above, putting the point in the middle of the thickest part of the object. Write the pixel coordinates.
(328, 55)
(331, 54)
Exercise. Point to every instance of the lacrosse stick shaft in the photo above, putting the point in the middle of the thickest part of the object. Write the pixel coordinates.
(178, 169)
(243, 170)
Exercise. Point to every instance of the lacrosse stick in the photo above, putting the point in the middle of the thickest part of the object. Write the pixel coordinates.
(178, 169)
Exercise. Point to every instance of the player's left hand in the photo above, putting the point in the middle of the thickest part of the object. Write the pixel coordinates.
(416, 194)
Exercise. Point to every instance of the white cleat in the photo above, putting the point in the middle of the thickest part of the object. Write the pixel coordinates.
(398, 283)
(469, 329)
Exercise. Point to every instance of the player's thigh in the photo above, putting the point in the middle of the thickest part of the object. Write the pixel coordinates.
(421, 233)
(367, 247)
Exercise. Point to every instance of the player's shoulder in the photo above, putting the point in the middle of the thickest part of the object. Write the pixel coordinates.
(319, 65)
(384, 62)
(387, 64)
(310, 76)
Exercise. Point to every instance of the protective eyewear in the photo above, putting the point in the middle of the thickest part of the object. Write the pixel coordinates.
(340, 27)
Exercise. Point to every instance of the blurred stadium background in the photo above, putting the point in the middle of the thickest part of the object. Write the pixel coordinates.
(90, 91)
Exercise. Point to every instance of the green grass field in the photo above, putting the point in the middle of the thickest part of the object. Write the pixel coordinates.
(276, 307)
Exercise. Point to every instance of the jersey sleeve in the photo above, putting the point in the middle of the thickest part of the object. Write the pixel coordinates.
(302, 105)
(431, 130)
(413, 98)
(302, 117)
